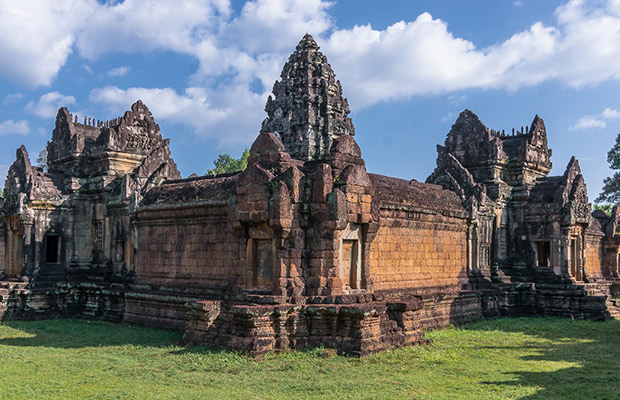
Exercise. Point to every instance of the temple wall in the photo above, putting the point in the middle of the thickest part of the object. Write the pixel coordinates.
(200, 249)
(415, 250)
(595, 251)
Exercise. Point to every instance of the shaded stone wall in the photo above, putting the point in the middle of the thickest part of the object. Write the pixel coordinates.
(189, 247)
(418, 250)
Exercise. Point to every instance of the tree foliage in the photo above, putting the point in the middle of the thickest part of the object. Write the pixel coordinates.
(611, 185)
(606, 208)
(226, 164)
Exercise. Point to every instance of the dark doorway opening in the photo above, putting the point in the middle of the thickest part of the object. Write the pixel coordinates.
(544, 253)
(52, 249)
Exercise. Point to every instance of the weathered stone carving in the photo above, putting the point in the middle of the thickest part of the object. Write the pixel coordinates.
(308, 111)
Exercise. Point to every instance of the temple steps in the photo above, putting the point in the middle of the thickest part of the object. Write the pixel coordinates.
(550, 294)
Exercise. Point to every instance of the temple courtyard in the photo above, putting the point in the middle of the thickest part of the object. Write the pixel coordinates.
(521, 358)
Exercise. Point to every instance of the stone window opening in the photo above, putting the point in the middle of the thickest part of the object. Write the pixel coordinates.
(543, 253)
(52, 249)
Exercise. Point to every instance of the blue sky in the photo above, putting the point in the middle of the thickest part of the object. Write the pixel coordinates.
(205, 69)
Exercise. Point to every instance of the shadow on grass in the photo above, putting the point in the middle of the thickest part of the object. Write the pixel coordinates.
(76, 333)
(593, 348)
(81, 333)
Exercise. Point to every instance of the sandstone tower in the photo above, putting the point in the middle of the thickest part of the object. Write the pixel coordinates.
(308, 111)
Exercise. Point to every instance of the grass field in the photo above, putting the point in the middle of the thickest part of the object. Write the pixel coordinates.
(524, 358)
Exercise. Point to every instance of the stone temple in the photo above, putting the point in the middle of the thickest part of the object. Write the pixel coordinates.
(305, 247)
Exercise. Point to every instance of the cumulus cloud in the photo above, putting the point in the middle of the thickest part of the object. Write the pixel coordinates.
(48, 104)
(424, 57)
(138, 26)
(596, 121)
(11, 127)
(36, 37)
(276, 25)
(119, 71)
(229, 116)
(236, 50)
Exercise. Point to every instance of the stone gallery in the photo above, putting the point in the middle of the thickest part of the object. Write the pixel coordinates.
(305, 247)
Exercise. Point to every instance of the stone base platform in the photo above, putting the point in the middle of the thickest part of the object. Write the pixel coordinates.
(352, 324)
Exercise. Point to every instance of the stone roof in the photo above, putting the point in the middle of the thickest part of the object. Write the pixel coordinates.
(208, 188)
(548, 190)
(598, 225)
(412, 194)
(46, 186)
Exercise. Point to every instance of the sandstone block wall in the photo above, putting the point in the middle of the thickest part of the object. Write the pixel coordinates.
(200, 249)
(415, 250)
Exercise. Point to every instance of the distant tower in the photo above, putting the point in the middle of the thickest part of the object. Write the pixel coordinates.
(308, 111)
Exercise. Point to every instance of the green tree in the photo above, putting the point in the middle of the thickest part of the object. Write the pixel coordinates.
(42, 158)
(225, 163)
(611, 185)
(606, 208)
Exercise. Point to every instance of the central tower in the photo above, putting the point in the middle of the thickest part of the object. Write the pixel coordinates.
(308, 111)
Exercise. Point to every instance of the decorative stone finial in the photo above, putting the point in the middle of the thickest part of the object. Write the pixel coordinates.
(307, 43)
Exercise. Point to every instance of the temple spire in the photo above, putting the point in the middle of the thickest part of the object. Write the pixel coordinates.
(308, 111)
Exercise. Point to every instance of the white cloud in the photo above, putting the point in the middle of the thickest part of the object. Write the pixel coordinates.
(234, 51)
(597, 120)
(119, 71)
(138, 26)
(276, 25)
(448, 117)
(232, 116)
(609, 113)
(11, 127)
(36, 37)
(48, 104)
(588, 122)
(12, 98)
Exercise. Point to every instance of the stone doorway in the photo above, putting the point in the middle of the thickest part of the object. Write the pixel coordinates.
(264, 263)
(15, 254)
(52, 249)
(349, 264)
(261, 273)
(350, 258)
(543, 251)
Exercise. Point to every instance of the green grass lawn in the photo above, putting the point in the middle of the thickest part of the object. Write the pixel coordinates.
(523, 358)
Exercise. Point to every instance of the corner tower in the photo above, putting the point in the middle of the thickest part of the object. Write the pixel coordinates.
(308, 111)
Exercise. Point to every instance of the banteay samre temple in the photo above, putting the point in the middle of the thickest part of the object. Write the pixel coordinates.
(305, 247)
